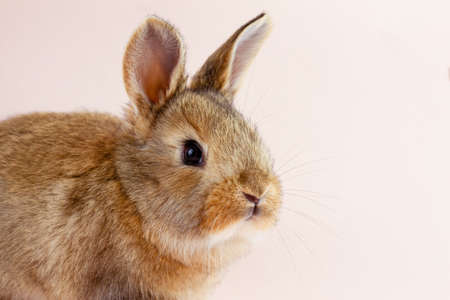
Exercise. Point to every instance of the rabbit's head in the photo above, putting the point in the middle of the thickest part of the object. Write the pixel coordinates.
(196, 169)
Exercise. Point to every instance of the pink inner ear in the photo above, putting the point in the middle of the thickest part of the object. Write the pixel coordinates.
(157, 56)
(246, 47)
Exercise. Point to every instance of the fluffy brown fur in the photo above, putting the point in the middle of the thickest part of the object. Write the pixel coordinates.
(97, 207)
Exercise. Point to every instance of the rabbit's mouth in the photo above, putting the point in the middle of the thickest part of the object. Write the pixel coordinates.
(233, 206)
(253, 212)
(259, 215)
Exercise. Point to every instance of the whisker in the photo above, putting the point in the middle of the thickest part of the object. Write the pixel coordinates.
(298, 149)
(291, 159)
(310, 250)
(284, 242)
(320, 224)
(304, 164)
(300, 174)
(311, 192)
(317, 202)
(303, 242)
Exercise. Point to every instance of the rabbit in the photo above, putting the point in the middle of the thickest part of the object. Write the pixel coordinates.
(152, 205)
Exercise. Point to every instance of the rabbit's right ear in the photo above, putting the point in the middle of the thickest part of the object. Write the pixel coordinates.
(153, 66)
(224, 69)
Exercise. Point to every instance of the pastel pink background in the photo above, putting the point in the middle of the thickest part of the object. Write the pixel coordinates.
(354, 95)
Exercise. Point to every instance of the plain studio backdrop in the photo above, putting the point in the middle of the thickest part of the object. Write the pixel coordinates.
(352, 96)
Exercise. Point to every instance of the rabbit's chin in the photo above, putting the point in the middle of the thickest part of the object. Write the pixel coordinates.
(216, 248)
(250, 229)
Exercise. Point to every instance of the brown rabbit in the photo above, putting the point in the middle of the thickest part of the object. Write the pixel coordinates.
(152, 206)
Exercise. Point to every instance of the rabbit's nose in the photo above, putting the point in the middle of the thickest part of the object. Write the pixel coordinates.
(251, 198)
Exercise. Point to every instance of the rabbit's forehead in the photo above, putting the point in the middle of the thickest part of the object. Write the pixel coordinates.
(226, 134)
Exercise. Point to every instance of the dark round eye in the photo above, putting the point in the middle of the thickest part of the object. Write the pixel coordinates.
(192, 153)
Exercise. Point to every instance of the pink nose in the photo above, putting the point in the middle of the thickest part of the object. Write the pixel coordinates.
(251, 198)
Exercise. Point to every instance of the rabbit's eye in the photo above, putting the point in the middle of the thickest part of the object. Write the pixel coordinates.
(192, 154)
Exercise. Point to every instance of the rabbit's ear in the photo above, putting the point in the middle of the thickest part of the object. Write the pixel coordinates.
(153, 65)
(224, 68)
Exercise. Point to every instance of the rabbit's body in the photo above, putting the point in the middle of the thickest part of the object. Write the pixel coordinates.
(74, 217)
(46, 225)
(152, 206)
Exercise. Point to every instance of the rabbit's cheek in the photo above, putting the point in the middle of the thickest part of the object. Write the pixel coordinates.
(223, 208)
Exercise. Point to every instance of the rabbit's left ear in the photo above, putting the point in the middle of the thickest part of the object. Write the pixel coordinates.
(225, 68)
(153, 65)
